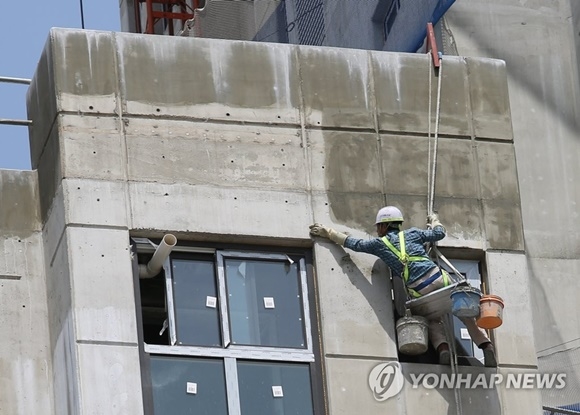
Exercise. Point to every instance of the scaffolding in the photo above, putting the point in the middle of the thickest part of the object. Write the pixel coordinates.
(168, 16)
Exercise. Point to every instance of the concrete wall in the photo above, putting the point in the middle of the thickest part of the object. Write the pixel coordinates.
(250, 142)
(25, 362)
(539, 42)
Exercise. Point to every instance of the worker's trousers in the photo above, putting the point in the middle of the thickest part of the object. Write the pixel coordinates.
(436, 327)
(437, 332)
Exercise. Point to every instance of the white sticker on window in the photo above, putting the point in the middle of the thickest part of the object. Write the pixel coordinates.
(269, 302)
(191, 388)
(210, 302)
(465, 334)
(277, 391)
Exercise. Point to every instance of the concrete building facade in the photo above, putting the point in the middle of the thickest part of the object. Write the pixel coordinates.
(538, 40)
(235, 148)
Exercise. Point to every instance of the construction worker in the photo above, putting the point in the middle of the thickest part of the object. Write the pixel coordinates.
(405, 254)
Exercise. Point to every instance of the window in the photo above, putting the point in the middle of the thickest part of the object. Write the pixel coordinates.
(466, 348)
(228, 332)
(391, 16)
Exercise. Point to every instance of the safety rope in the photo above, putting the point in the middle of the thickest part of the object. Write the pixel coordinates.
(432, 166)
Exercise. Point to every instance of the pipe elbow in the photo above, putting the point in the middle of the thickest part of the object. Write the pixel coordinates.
(154, 266)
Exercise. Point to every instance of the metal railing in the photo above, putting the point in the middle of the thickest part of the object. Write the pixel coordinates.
(10, 80)
(556, 411)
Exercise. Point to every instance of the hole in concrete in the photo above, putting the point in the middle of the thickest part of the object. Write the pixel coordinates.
(279, 117)
(78, 188)
(102, 256)
(332, 269)
(94, 152)
(281, 149)
(322, 166)
(235, 198)
(227, 114)
(162, 157)
(23, 306)
(158, 110)
(166, 194)
(285, 201)
(283, 164)
(325, 203)
(232, 161)
(98, 200)
(90, 107)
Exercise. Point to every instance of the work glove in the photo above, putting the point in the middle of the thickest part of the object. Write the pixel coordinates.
(337, 237)
(433, 221)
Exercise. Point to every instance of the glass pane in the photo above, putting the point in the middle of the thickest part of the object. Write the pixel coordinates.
(265, 303)
(196, 309)
(259, 382)
(175, 379)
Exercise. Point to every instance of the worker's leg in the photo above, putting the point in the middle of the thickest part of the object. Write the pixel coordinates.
(439, 340)
(480, 338)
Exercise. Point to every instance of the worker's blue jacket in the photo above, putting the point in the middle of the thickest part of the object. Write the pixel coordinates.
(415, 239)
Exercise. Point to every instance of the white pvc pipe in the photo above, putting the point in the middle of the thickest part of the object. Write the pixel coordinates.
(153, 267)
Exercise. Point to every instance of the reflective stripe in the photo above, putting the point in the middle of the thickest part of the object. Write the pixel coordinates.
(404, 258)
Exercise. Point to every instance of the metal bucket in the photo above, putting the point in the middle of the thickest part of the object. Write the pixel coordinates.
(412, 335)
(465, 302)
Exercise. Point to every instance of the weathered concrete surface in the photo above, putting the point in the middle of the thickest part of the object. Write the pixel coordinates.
(223, 141)
(25, 362)
(539, 42)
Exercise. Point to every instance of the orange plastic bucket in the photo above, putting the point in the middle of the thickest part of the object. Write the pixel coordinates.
(491, 312)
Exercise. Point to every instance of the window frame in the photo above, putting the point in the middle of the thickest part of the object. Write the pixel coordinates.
(231, 353)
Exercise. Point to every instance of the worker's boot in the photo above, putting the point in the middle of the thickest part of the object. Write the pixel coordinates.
(444, 354)
(489, 359)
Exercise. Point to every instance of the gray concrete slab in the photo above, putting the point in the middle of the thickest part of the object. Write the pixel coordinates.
(355, 303)
(344, 161)
(406, 166)
(213, 79)
(24, 356)
(100, 260)
(41, 103)
(432, 392)
(109, 371)
(508, 277)
(489, 100)
(96, 203)
(20, 210)
(554, 305)
(49, 173)
(92, 147)
(349, 390)
(93, 86)
(65, 375)
(229, 155)
(213, 210)
(336, 87)
(520, 400)
(503, 225)
(497, 171)
(406, 77)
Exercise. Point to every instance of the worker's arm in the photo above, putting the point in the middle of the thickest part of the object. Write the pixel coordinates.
(369, 246)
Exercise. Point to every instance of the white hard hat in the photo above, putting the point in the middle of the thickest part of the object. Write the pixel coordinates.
(389, 214)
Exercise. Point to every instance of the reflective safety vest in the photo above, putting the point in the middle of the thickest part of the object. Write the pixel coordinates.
(405, 259)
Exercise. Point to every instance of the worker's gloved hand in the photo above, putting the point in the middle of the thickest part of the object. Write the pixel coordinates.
(337, 237)
(433, 221)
